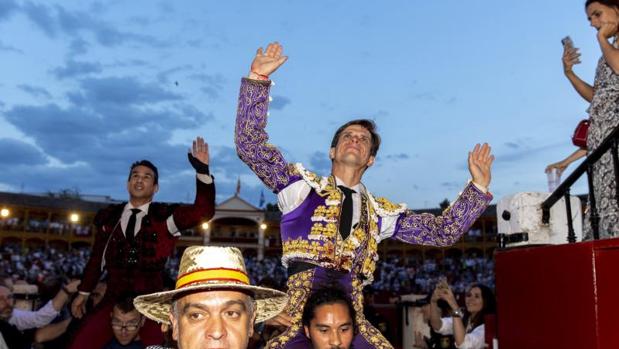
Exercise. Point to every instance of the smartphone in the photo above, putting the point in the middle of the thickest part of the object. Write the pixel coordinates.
(442, 283)
(567, 42)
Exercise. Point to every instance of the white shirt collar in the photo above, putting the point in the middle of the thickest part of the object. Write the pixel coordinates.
(358, 188)
(143, 208)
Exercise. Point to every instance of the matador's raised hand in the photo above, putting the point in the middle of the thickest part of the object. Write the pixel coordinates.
(480, 164)
(265, 63)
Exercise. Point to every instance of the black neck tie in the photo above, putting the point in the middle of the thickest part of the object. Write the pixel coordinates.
(346, 215)
(130, 231)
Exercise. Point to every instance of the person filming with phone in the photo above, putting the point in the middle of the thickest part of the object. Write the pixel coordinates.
(466, 324)
(603, 15)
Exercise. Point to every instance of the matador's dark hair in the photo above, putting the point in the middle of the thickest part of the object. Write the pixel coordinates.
(365, 123)
(609, 3)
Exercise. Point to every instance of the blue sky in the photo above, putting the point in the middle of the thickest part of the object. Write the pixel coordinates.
(89, 87)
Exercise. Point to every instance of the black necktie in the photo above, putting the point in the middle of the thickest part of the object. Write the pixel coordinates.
(346, 216)
(130, 231)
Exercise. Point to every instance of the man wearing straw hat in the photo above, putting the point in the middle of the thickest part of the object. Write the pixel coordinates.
(213, 305)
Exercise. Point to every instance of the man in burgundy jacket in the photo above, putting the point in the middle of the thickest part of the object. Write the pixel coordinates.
(133, 242)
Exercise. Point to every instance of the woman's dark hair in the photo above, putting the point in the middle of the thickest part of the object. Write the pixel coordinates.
(365, 123)
(489, 306)
(326, 296)
(609, 3)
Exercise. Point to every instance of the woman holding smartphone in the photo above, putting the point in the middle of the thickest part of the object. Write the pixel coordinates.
(603, 111)
(466, 325)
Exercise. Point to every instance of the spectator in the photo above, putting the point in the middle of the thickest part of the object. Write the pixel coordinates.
(60, 333)
(603, 111)
(126, 323)
(24, 319)
(14, 321)
(466, 326)
(213, 305)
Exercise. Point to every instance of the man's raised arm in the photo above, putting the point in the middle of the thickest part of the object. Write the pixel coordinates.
(447, 228)
(250, 136)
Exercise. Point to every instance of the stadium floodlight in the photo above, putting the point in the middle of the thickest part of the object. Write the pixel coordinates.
(74, 217)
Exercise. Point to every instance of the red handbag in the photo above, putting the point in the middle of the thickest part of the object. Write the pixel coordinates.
(579, 138)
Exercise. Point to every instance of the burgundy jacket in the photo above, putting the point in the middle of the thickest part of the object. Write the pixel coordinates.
(138, 267)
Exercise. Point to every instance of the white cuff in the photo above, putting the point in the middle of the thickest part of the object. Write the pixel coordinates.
(480, 187)
(172, 228)
(204, 178)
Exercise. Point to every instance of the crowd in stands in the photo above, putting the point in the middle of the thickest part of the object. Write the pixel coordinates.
(394, 275)
(50, 268)
(34, 225)
(34, 266)
(404, 276)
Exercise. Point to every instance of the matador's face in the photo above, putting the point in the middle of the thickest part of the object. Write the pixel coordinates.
(353, 147)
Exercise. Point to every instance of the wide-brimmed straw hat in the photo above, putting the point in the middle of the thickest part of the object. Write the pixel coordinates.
(205, 268)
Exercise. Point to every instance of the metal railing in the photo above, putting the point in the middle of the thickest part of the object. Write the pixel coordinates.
(563, 190)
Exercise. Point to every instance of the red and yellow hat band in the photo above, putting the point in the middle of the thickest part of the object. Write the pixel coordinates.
(212, 275)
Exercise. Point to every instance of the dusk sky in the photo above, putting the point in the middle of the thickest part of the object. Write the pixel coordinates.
(89, 87)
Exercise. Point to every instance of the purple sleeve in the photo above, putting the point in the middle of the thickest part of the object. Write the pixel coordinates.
(251, 138)
(446, 229)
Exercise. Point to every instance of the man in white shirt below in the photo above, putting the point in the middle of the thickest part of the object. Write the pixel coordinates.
(13, 321)
(133, 242)
(25, 319)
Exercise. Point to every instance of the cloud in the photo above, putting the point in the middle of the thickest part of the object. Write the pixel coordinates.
(78, 47)
(74, 69)
(512, 145)
(520, 150)
(320, 163)
(42, 17)
(129, 63)
(55, 20)
(35, 91)
(226, 163)
(429, 96)
(377, 115)
(15, 152)
(212, 84)
(279, 102)
(121, 91)
(164, 76)
(451, 186)
(249, 192)
(110, 122)
(8, 48)
(424, 96)
(400, 156)
(7, 8)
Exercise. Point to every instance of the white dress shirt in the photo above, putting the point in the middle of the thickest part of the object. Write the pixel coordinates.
(475, 339)
(25, 319)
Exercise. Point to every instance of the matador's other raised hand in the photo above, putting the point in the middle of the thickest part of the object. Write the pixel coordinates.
(480, 164)
(267, 61)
